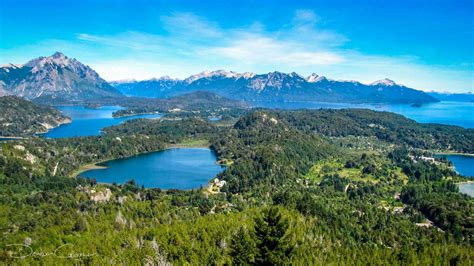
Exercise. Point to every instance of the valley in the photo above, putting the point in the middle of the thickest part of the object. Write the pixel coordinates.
(208, 177)
(236, 133)
(301, 166)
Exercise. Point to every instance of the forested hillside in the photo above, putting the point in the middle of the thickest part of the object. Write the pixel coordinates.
(19, 117)
(299, 191)
(200, 101)
(385, 126)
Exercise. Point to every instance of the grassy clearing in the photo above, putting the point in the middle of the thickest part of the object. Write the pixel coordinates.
(356, 174)
(325, 168)
(192, 143)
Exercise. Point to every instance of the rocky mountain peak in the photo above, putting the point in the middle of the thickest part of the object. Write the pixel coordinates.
(10, 66)
(248, 75)
(56, 76)
(58, 55)
(313, 78)
(384, 82)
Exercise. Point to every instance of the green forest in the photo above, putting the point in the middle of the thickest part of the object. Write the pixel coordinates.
(305, 187)
(20, 117)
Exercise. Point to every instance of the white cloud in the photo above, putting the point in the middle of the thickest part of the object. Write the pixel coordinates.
(190, 44)
(130, 40)
(189, 24)
(305, 16)
(257, 49)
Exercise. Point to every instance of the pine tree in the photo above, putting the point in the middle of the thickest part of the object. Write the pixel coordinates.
(243, 248)
(270, 229)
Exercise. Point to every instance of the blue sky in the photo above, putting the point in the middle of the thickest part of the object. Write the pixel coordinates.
(427, 45)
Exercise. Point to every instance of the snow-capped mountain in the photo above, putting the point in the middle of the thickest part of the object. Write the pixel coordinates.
(247, 75)
(166, 77)
(315, 78)
(278, 86)
(212, 74)
(152, 88)
(54, 78)
(58, 78)
(383, 82)
(218, 74)
(276, 81)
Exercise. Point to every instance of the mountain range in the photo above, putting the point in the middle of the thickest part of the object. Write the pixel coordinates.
(276, 86)
(58, 78)
(453, 97)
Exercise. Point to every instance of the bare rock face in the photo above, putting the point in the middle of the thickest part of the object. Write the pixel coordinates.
(55, 77)
(96, 195)
(120, 221)
(101, 196)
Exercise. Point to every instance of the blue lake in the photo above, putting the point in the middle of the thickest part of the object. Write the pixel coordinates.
(6, 138)
(449, 113)
(467, 188)
(180, 168)
(89, 121)
(464, 165)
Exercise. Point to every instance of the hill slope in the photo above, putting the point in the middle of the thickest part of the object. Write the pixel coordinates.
(21, 117)
(194, 101)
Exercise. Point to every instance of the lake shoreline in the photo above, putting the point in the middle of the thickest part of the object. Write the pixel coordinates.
(65, 121)
(465, 182)
(461, 163)
(454, 153)
(95, 165)
(162, 178)
(197, 143)
(12, 137)
(136, 114)
(89, 166)
(466, 188)
(87, 121)
(442, 112)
